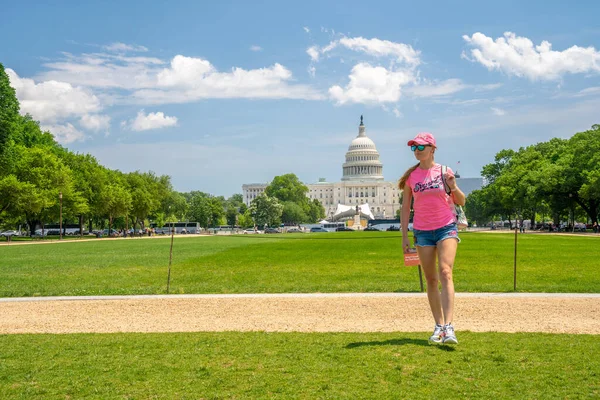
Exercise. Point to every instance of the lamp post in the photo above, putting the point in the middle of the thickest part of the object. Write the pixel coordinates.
(60, 216)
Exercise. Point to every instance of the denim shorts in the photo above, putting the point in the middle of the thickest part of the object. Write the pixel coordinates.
(432, 238)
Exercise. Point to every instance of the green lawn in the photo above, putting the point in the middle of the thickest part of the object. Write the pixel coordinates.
(335, 262)
(297, 365)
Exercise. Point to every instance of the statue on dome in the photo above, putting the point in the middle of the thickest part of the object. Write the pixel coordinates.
(361, 120)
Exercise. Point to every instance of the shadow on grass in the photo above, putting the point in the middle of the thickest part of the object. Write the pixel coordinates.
(399, 342)
(391, 342)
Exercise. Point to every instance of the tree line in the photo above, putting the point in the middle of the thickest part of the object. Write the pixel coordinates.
(556, 181)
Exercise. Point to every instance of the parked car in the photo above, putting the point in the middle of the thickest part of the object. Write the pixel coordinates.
(250, 231)
(318, 229)
(271, 230)
(294, 230)
(344, 229)
(372, 229)
(10, 233)
(397, 228)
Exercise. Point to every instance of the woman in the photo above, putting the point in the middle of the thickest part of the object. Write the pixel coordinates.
(434, 230)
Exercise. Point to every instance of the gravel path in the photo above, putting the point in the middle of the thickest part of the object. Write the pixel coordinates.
(299, 313)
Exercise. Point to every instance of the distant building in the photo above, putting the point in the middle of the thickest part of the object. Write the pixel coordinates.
(362, 183)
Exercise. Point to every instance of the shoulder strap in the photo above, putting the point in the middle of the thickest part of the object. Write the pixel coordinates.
(446, 187)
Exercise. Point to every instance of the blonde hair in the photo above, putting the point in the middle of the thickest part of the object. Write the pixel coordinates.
(402, 181)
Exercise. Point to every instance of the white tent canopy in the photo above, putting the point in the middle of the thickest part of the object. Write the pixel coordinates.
(344, 211)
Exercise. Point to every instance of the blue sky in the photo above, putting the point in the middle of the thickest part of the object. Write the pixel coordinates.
(218, 95)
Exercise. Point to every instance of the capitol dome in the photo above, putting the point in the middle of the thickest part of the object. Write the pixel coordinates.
(362, 142)
(362, 159)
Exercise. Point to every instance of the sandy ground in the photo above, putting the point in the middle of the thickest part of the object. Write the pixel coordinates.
(299, 313)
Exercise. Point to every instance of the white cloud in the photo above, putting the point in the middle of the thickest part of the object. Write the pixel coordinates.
(370, 84)
(312, 71)
(255, 48)
(498, 111)
(397, 113)
(187, 79)
(313, 52)
(306, 29)
(443, 88)
(51, 100)
(515, 55)
(143, 122)
(64, 134)
(104, 71)
(383, 48)
(589, 91)
(122, 47)
(490, 86)
(184, 71)
(375, 47)
(95, 122)
(190, 79)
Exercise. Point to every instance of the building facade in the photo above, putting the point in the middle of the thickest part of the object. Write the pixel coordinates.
(362, 182)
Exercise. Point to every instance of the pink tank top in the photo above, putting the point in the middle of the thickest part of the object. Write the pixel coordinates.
(432, 205)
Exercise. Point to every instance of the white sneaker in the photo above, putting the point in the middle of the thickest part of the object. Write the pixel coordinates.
(436, 336)
(449, 337)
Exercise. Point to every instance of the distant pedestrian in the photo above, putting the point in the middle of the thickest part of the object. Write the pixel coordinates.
(435, 230)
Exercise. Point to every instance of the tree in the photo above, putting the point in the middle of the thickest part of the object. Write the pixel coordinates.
(117, 202)
(288, 188)
(563, 175)
(292, 213)
(582, 173)
(44, 176)
(144, 191)
(245, 220)
(13, 195)
(231, 216)
(216, 211)
(198, 208)
(477, 208)
(9, 108)
(266, 210)
(175, 208)
(316, 212)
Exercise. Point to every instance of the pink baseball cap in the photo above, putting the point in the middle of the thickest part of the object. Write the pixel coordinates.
(423, 138)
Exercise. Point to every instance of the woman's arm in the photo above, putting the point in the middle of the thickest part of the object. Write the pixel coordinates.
(458, 197)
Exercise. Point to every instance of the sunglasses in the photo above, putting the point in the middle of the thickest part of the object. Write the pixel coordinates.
(419, 147)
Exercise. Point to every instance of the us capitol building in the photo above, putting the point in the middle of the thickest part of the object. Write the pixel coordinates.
(362, 184)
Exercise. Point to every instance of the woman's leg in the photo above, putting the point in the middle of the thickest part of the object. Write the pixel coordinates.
(427, 255)
(446, 254)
